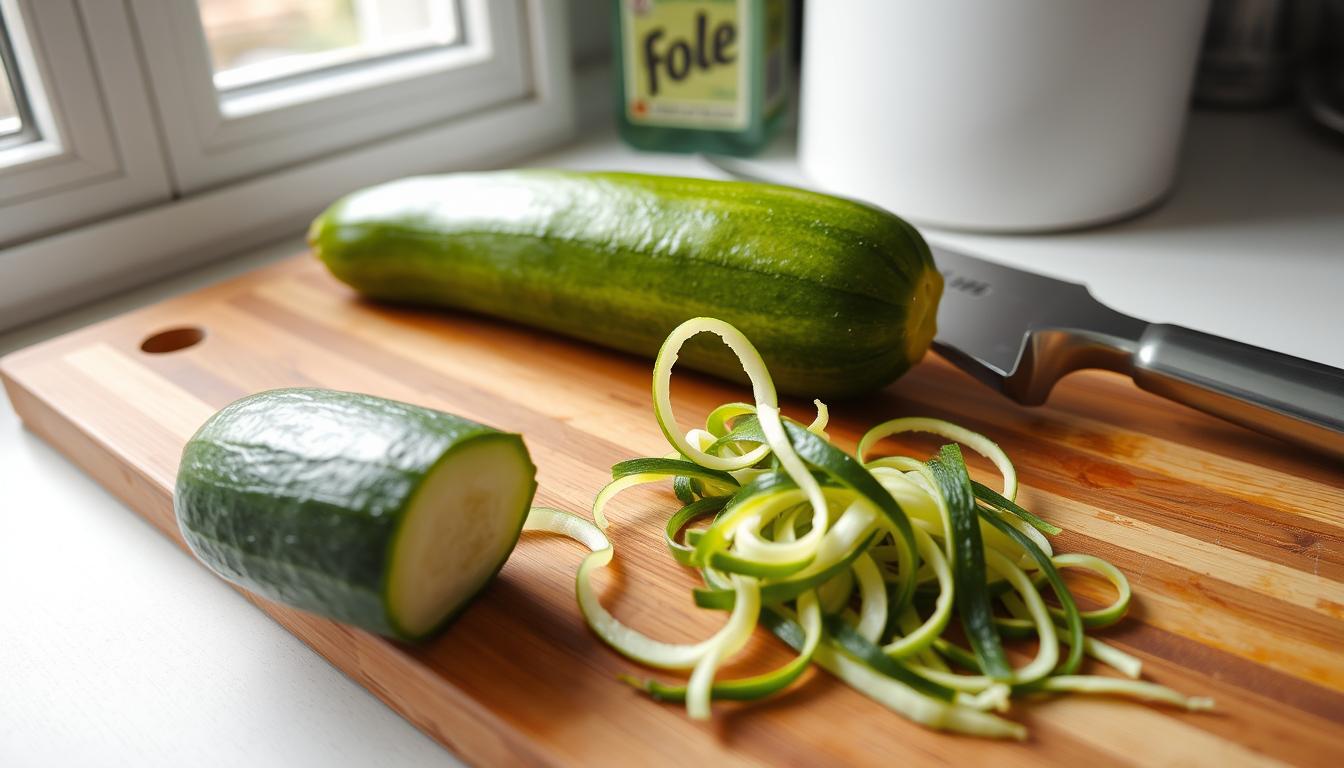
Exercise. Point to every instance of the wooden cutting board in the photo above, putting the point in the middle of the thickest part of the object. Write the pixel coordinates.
(1234, 543)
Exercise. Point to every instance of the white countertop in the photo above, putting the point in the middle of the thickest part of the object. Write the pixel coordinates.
(119, 650)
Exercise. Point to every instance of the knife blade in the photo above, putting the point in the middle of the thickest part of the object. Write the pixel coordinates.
(1020, 332)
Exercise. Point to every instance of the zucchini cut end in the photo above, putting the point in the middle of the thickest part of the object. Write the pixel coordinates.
(459, 528)
(922, 315)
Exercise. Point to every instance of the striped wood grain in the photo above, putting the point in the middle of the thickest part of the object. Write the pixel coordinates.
(1234, 542)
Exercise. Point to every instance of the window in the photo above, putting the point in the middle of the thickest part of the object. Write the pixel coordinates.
(288, 81)
(139, 135)
(80, 143)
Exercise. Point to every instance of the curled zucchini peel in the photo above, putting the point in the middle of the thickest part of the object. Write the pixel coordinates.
(871, 567)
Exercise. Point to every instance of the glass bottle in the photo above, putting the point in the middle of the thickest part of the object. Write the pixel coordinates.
(701, 75)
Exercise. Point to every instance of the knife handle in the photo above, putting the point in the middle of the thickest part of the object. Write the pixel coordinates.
(1285, 396)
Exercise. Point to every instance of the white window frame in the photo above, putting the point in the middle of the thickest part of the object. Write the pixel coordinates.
(216, 137)
(96, 150)
(48, 274)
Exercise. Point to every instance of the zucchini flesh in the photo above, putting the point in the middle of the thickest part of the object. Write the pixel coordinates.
(835, 554)
(841, 297)
(372, 512)
(455, 533)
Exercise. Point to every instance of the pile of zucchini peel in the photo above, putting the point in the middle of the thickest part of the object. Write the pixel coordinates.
(902, 577)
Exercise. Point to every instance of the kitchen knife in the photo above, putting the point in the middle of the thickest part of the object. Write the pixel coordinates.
(1019, 332)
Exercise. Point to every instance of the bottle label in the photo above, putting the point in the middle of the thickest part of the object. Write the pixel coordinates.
(687, 62)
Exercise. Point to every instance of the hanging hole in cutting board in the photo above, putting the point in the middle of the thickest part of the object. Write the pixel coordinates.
(172, 340)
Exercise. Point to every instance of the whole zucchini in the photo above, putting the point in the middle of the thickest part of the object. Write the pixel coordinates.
(839, 297)
(368, 511)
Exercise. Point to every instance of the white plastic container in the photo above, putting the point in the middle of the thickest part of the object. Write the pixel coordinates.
(997, 115)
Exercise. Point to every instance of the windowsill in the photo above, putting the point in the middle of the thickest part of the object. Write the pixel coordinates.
(1248, 246)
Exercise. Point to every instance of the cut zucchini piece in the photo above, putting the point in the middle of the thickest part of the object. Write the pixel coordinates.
(376, 513)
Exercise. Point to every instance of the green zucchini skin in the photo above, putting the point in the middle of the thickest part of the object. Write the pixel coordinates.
(297, 495)
(839, 297)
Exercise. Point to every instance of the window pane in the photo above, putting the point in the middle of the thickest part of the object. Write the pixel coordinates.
(10, 122)
(252, 41)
